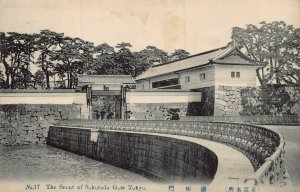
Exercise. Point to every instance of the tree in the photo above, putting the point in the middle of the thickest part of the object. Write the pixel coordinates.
(38, 79)
(54, 54)
(1, 75)
(16, 55)
(23, 79)
(104, 61)
(4, 54)
(86, 56)
(124, 60)
(2, 81)
(73, 58)
(178, 54)
(148, 57)
(277, 46)
(60, 71)
(46, 43)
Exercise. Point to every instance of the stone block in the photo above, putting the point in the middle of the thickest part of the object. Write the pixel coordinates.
(227, 87)
(226, 98)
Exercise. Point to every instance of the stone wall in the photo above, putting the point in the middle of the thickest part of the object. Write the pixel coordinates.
(255, 142)
(227, 101)
(206, 106)
(156, 111)
(271, 100)
(28, 124)
(160, 157)
(294, 99)
(257, 101)
(45, 97)
(162, 104)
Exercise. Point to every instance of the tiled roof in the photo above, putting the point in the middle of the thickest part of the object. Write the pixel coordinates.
(106, 79)
(224, 55)
(232, 55)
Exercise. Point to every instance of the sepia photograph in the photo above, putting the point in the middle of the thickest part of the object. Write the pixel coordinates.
(149, 95)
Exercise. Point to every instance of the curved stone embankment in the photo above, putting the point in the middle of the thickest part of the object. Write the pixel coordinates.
(255, 142)
(263, 147)
(167, 157)
(233, 166)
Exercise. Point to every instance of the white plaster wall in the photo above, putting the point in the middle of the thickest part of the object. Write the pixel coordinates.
(42, 98)
(111, 87)
(97, 87)
(195, 81)
(164, 77)
(247, 75)
(147, 84)
(215, 75)
(162, 97)
(142, 84)
(46, 98)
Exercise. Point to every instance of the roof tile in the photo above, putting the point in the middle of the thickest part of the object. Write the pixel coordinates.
(106, 79)
(227, 55)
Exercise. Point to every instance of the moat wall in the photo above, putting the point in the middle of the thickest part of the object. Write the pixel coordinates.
(159, 157)
(25, 124)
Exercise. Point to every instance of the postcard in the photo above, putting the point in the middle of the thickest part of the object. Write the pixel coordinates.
(149, 95)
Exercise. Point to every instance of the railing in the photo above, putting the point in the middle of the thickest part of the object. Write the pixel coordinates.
(262, 120)
(263, 147)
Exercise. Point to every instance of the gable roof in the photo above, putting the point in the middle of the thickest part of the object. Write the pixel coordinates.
(106, 79)
(225, 55)
(233, 55)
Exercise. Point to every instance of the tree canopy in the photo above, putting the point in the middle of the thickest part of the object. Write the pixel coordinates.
(55, 56)
(276, 45)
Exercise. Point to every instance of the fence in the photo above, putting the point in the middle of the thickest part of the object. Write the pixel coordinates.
(263, 147)
(258, 120)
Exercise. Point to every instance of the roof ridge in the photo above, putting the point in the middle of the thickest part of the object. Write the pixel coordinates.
(198, 54)
(200, 60)
(104, 75)
(226, 51)
(233, 46)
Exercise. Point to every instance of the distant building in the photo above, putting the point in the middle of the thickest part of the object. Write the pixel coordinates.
(222, 66)
(218, 74)
(105, 94)
(106, 82)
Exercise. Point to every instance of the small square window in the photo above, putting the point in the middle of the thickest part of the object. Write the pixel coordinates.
(202, 76)
(187, 79)
(237, 74)
(106, 88)
(232, 74)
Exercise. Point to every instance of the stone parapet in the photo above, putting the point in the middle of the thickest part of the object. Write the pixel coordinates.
(256, 143)
(258, 120)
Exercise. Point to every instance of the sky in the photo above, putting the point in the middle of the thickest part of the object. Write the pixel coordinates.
(193, 25)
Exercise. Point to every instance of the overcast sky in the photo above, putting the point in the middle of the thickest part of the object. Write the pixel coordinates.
(193, 25)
